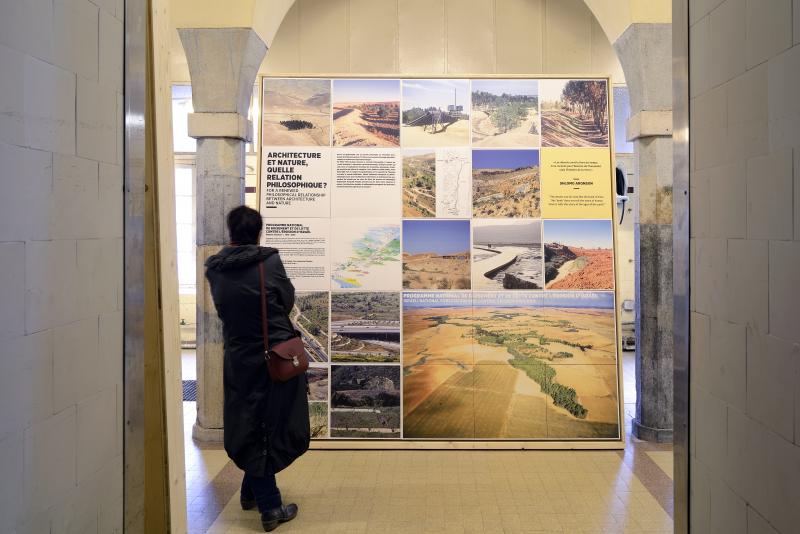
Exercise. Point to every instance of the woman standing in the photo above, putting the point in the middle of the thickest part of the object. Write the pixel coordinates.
(266, 423)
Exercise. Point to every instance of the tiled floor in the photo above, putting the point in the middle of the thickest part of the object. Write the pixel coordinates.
(355, 492)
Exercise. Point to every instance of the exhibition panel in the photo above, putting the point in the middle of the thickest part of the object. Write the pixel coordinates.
(452, 244)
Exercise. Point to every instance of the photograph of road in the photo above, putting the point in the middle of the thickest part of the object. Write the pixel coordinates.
(310, 317)
(574, 113)
(505, 113)
(436, 254)
(507, 254)
(512, 365)
(435, 113)
(578, 254)
(366, 113)
(365, 401)
(296, 112)
(505, 183)
(419, 183)
(365, 326)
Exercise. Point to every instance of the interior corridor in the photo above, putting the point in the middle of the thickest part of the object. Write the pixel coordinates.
(446, 491)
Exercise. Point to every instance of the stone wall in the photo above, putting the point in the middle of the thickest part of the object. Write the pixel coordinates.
(61, 265)
(745, 266)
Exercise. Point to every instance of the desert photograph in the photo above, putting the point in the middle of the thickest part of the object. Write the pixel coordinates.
(366, 113)
(435, 113)
(505, 113)
(505, 183)
(365, 401)
(296, 112)
(574, 113)
(507, 254)
(310, 317)
(578, 254)
(365, 326)
(436, 254)
(317, 383)
(419, 183)
(539, 366)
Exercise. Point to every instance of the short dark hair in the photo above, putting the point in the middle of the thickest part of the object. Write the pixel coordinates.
(244, 225)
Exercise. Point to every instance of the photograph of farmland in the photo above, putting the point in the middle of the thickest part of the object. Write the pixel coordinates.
(435, 113)
(505, 113)
(574, 113)
(317, 383)
(505, 183)
(525, 366)
(578, 254)
(419, 183)
(365, 254)
(310, 317)
(436, 254)
(318, 419)
(507, 254)
(366, 113)
(365, 401)
(296, 112)
(365, 327)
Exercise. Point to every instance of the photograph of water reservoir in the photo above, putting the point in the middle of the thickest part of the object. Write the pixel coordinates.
(507, 254)
(365, 326)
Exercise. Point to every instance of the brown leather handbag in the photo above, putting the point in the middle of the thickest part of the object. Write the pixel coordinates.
(288, 358)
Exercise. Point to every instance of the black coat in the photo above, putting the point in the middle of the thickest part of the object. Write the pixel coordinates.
(266, 423)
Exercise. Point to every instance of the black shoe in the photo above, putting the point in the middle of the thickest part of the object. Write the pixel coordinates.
(248, 504)
(272, 518)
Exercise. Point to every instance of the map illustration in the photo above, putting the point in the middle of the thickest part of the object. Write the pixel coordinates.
(365, 254)
(453, 194)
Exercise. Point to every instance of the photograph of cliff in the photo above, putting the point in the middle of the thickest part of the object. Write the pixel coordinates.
(578, 254)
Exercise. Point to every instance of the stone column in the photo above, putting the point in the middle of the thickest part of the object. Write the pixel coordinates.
(223, 63)
(645, 52)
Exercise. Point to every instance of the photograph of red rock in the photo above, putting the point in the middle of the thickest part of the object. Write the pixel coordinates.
(578, 254)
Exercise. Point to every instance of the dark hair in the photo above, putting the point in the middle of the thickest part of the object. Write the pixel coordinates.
(244, 225)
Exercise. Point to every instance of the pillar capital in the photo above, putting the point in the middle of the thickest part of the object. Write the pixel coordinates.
(649, 124)
(231, 125)
(223, 64)
(645, 52)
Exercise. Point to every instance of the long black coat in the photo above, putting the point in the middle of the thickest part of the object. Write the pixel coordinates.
(266, 423)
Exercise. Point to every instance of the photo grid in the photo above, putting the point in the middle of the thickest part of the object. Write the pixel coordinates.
(452, 246)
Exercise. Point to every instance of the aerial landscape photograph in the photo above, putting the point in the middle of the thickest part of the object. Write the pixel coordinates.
(574, 113)
(436, 254)
(365, 401)
(365, 253)
(419, 183)
(435, 113)
(317, 383)
(505, 113)
(505, 183)
(310, 316)
(507, 254)
(366, 113)
(578, 254)
(511, 365)
(365, 326)
(297, 112)
(318, 419)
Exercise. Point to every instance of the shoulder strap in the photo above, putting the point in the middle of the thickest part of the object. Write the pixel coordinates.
(263, 289)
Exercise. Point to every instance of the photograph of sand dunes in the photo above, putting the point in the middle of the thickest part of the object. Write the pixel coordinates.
(436, 254)
(505, 183)
(505, 113)
(435, 113)
(366, 113)
(578, 254)
(522, 365)
(296, 112)
(507, 254)
(574, 113)
(365, 401)
(365, 326)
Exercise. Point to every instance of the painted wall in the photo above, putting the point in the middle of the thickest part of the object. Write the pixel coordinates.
(61, 266)
(745, 285)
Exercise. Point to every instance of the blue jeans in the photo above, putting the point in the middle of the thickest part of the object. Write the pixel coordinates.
(264, 490)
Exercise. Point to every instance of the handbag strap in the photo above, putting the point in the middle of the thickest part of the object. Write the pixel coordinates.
(263, 290)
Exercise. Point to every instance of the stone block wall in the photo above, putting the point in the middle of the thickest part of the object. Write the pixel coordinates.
(61, 265)
(745, 261)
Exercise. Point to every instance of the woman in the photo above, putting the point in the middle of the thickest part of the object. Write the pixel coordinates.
(266, 423)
